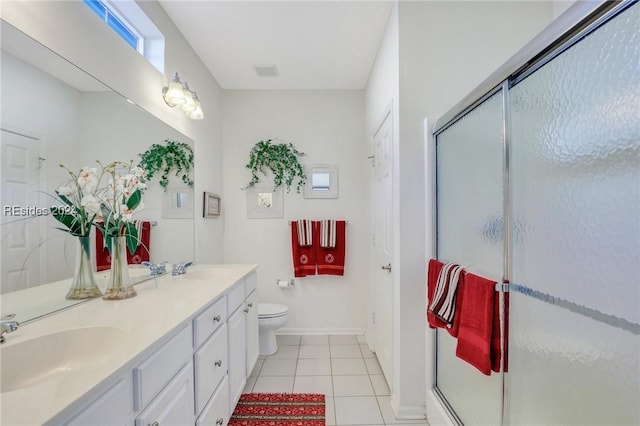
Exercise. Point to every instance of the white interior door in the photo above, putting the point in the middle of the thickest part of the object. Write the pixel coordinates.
(383, 245)
(20, 256)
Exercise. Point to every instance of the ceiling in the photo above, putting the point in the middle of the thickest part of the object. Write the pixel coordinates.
(315, 45)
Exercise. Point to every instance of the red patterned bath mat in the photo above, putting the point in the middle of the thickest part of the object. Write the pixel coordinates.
(279, 409)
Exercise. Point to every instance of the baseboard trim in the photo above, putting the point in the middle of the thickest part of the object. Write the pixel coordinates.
(321, 331)
(437, 415)
(404, 412)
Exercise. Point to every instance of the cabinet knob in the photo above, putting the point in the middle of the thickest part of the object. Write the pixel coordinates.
(154, 424)
(220, 421)
(250, 305)
(246, 311)
(216, 318)
(218, 363)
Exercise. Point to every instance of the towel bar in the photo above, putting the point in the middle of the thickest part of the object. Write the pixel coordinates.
(346, 221)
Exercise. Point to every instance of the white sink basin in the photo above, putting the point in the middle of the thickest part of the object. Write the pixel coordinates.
(48, 357)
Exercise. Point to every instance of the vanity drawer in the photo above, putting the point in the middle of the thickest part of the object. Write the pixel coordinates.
(154, 373)
(236, 297)
(174, 405)
(216, 411)
(209, 321)
(250, 283)
(210, 366)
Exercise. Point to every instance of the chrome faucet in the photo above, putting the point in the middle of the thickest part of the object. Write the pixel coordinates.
(7, 326)
(156, 270)
(180, 268)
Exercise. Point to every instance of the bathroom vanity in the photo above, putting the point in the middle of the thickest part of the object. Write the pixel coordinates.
(178, 353)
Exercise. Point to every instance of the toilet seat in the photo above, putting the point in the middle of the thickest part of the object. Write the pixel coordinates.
(271, 310)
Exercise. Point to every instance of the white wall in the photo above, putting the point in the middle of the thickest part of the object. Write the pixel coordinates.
(444, 49)
(328, 126)
(71, 29)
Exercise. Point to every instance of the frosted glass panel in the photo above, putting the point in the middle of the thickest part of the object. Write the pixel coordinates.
(576, 213)
(469, 206)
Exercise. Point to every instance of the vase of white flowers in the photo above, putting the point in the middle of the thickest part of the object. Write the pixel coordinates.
(121, 199)
(80, 208)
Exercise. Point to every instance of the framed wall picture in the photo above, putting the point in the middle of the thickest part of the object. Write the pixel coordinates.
(322, 181)
(265, 203)
(211, 205)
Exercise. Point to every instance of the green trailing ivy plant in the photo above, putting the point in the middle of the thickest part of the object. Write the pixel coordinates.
(281, 159)
(167, 157)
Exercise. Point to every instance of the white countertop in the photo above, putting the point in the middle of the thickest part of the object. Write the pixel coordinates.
(161, 306)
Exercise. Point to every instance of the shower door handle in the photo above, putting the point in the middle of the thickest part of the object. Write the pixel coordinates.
(387, 268)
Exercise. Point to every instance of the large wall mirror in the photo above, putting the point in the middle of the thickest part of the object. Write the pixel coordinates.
(58, 114)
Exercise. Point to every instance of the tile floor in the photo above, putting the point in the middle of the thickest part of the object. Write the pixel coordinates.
(341, 367)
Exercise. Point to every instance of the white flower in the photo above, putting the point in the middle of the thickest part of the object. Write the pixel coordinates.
(126, 213)
(88, 179)
(139, 172)
(91, 204)
(66, 191)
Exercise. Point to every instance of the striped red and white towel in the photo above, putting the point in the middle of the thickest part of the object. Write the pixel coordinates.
(305, 233)
(443, 304)
(328, 233)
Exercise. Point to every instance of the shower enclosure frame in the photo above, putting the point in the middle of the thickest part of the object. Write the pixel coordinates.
(577, 22)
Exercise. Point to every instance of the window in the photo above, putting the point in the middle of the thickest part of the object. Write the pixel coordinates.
(130, 22)
(124, 30)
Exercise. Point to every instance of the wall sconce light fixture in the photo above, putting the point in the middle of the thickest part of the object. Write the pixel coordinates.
(179, 94)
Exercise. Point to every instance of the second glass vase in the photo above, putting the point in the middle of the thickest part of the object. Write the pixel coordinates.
(119, 285)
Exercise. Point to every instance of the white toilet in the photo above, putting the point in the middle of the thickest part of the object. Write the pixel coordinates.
(271, 316)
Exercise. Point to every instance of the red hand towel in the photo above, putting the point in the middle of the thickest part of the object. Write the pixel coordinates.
(331, 260)
(435, 267)
(304, 258)
(103, 257)
(479, 322)
(142, 252)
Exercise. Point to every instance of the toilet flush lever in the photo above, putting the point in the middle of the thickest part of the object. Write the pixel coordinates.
(387, 268)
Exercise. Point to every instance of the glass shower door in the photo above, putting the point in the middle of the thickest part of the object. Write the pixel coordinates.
(574, 348)
(469, 229)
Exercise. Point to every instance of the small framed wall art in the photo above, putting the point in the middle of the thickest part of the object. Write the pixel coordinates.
(211, 205)
(177, 203)
(265, 203)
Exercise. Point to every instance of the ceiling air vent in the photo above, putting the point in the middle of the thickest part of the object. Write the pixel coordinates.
(266, 70)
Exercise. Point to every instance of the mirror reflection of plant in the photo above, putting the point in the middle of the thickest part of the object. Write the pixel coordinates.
(164, 158)
(281, 159)
(81, 199)
(121, 198)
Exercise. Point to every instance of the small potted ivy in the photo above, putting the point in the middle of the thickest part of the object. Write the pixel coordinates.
(167, 157)
(281, 159)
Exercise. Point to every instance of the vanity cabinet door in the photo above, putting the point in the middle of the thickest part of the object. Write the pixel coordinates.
(216, 412)
(211, 364)
(252, 333)
(237, 350)
(174, 405)
(113, 407)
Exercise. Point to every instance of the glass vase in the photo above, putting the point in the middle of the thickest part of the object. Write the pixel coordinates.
(83, 284)
(119, 285)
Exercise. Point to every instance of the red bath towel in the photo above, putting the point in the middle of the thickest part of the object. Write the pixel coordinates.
(331, 260)
(435, 267)
(304, 257)
(142, 252)
(103, 257)
(479, 334)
